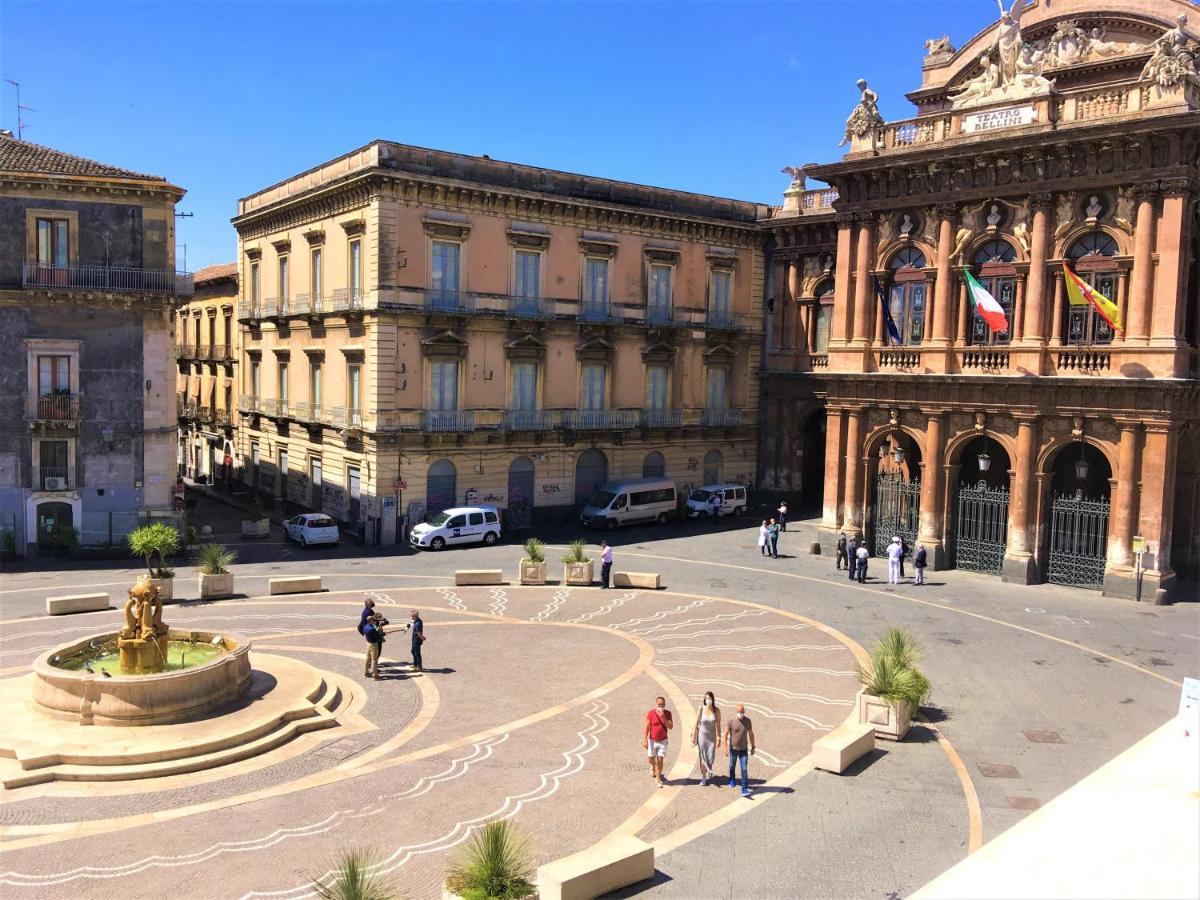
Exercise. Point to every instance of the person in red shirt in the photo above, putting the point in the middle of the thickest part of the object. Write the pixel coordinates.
(654, 736)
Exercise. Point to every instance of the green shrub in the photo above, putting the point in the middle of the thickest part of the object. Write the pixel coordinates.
(352, 879)
(577, 553)
(900, 646)
(535, 551)
(68, 539)
(892, 673)
(215, 559)
(155, 540)
(496, 864)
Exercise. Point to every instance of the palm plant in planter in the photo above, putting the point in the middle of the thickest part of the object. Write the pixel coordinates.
(258, 525)
(893, 686)
(216, 581)
(353, 879)
(577, 568)
(496, 864)
(156, 541)
(533, 566)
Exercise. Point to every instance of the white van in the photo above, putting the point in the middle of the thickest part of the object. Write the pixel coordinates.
(733, 500)
(636, 500)
(460, 525)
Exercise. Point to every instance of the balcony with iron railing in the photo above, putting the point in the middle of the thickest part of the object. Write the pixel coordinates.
(222, 353)
(599, 419)
(346, 300)
(54, 478)
(345, 417)
(222, 418)
(458, 420)
(55, 409)
(530, 420)
(248, 310)
(599, 312)
(248, 403)
(269, 308)
(273, 407)
(720, 418)
(659, 315)
(661, 418)
(191, 408)
(107, 279)
(531, 307)
(204, 414)
(306, 411)
(722, 320)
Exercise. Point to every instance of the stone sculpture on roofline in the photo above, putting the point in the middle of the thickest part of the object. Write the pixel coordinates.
(865, 117)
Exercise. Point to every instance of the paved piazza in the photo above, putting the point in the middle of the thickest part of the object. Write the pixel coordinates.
(532, 706)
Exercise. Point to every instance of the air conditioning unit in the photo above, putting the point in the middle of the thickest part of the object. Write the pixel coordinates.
(55, 484)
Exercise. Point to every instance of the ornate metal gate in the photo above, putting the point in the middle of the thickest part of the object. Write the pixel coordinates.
(981, 528)
(1078, 541)
(897, 511)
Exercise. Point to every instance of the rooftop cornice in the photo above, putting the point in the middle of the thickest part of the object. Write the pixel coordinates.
(93, 183)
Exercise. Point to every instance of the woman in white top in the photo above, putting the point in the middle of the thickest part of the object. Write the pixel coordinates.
(763, 537)
(706, 734)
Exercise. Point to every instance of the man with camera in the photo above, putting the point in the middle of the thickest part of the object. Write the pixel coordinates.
(373, 631)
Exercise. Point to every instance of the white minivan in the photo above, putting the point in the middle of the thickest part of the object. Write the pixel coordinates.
(636, 500)
(460, 525)
(733, 500)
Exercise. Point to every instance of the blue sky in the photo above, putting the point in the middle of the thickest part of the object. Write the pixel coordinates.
(225, 98)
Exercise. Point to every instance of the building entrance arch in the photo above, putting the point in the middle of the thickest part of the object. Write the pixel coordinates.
(441, 489)
(1080, 495)
(591, 471)
(812, 463)
(53, 521)
(981, 507)
(895, 503)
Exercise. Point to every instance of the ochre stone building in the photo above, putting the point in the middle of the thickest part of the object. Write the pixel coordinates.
(1061, 449)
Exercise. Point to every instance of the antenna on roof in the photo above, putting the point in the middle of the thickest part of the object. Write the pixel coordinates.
(21, 126)
(180, 215)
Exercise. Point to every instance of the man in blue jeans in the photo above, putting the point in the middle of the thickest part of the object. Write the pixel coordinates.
(740, 735)
(417, 629)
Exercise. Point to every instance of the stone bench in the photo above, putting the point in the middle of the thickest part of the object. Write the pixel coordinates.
(301, 584)
(837, 750)
(603, 867)
(647, 580)
(76, 603)
(478, 576)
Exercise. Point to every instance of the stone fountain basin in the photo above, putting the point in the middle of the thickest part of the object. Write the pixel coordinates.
(154, 699)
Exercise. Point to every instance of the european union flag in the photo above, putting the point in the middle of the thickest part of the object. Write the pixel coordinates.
(892, 330)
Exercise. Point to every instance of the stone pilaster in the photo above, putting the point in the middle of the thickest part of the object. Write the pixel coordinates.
(1019, 564)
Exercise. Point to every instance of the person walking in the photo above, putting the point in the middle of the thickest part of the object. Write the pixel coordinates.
(919, 565)
(773, 538)
(852, 557)
(764, 538)
(739, 737)
(841, 551)
(372, 630)
(654, 736)
(706, 735)
(368, 610)
(863, 554)
(417, 630)
(605, 564)
(894, 552)
(782, 515)
(715, 503)
(904, 549)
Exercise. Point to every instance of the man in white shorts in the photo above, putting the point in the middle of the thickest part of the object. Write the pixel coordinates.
(654, 736)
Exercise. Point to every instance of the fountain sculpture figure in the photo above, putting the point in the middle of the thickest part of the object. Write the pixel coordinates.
(142, 643)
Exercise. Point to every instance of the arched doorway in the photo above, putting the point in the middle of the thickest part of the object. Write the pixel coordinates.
(53, 520)
(1079, 509)
(441, 488)
(812, 463)
(981, 507)
(591, 471)
(520, 493)
(712, 467)
(654, 466)
(896, 506)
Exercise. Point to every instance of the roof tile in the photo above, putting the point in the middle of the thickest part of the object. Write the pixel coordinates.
(22, 156)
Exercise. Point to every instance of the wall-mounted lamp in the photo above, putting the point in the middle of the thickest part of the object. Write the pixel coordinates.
(1081, 465)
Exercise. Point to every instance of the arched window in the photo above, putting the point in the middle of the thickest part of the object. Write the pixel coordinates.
(906, 299)
(822, 317)
(1092, 259)
(995, 271)
(654, 466)
(712, 467)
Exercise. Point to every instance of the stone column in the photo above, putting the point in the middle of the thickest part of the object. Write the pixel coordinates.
(1056, 327)
(964, 315)
(1017, 328)
(1035, 290)
(1122, 299)
(843, 309)
(1168, 295)
(793, 281)
(864, 287)
(831, 512)
(932, 487)
(1124, 505)
(944, 283)
(1019, 566)
(1155, 518)
(1138, 325)
(851, 498)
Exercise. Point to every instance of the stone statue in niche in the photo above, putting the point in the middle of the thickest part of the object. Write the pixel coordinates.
(1094, 207)
(865, 116)
(906, 226)
(1123, 214)
(827, 263)
(1174, 58)
(994, 217)
(1063, 214)
(967, 229)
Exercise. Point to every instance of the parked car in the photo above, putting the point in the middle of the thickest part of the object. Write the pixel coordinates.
(460, 525)
(312, 528)
(636, 500)
(733, 500)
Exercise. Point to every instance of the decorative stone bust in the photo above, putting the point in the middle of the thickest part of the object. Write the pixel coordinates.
(994, 216)
(906, 225)
(1094, 207)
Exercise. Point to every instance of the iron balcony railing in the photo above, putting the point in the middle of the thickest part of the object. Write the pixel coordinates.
(180, 402)
(248, 310)
(720, 418)
(115, 279)
(597, 311)
(661, 418)
(722, 320)
(344, 417)
(309, 305)
(273, 407)
(596, 419)
(530, 420)
(204, 413)
(64, 408)
(305, 411)
(222, 353)
(346, 300)
(531, 307)
(448, 420)
(190, 409)
(659, 315)
(248, 403)
(269, 308)
(54, 478)
(203, 351)
(450, 301)
(223, 418)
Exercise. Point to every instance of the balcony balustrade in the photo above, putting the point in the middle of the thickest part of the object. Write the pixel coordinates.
(819, 360)
(54, 478)
(191, 408)
(984, 360)
(661, 418)
(1084, 360)
(62, 409)
(203, 352)
(531, 307)
(110, 279)
(659, 315)
(899, 359)
(222, 353)
(269, 308)
(530, 420)
(720, 418)
(248, 403)
(448, 420)
(222, 418)
(346, 300)
(248, 310)
(344, 417)
(180, 404)
(450, 301)
(204, 414)
(305, 411)
(722, 320)
(599, 419)
(594, 311)
(307, 305)
(273, 407)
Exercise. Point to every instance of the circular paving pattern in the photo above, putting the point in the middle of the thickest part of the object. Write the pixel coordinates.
(531, 708)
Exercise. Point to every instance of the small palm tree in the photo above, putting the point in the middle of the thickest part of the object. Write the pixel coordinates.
(496, 864)
(157, 539)
(577, 553)
(893, 681)
(353, 879)
(535, 551)
(215, 559)
(900, 646)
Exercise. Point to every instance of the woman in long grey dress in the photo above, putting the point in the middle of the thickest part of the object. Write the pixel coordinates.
(706, 735)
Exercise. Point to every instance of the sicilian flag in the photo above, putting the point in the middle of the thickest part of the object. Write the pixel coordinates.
(985, 304)
(1080, 293)
(888, 321)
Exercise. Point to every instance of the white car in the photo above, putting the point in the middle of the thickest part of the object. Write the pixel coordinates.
(312, 528)
(460, 525)
(733, 500)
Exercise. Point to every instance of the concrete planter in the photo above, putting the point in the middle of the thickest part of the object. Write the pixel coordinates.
(891, 721)
(166, 588)
(256, 528)
(216, 587)
(577, 573)
(533, 572)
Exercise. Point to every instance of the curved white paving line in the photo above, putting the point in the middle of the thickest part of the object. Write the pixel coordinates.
(607, 608)
(761, 688)
(660, 615)
(773, 761)
(556, 601)
(458, 767)
(451, 597)
(548, 785)
(380, 599)
(752, 647)
(756, 629)
(724, 617)
(766, 667)
(793, 717)
(499, 601)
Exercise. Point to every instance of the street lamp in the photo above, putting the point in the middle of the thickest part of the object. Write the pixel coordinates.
(1081, 466)
(985, 461)
(883, 449)
(898, 453)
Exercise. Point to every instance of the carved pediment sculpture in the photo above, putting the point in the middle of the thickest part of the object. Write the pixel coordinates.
(1173, 61)
(968, 228)
(939, 46)
(865, 116)
(982, 86)
(1063, 215)
(798, 176)
(1123, 214)
(1020, 224)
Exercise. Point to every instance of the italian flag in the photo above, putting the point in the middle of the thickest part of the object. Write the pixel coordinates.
(985, 304)
(1080, 293)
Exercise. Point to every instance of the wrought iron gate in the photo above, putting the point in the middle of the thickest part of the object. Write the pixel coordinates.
(897, 511)
(981, 528)
(1078, 541)
(520, 494)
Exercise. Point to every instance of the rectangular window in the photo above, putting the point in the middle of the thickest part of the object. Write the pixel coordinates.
(228, 398)
(356, 268)
(656, 387)
(1004, 291)
(718, 383)
(594, 376)
(595, 286)
(314, 383)
(314, 274)
(722, 282)
(283, 382)
(255, 283)
(524, 386)
(1084, 324)
(527, 271)
(53, 243)
(353, 489)
(255, 379)
(283, 473)
(228, 332)
(314, 471)
(660, 288)
(443, 386)
(54, 375)
(254, 455)
(824, 314)
(283, 278)
(52, 462)
(212, 331)
(354, 387)
(444, 275)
